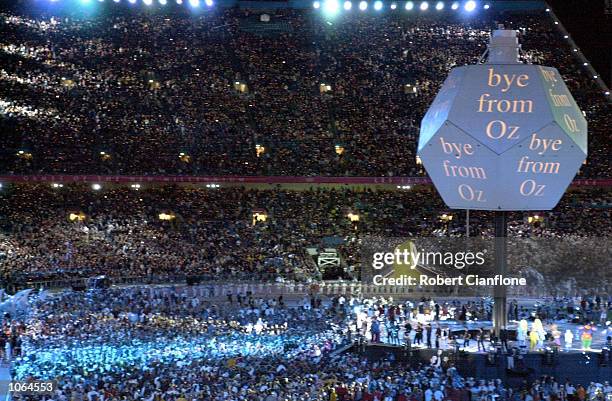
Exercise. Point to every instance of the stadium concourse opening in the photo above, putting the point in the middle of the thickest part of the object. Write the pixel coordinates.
(191, 193)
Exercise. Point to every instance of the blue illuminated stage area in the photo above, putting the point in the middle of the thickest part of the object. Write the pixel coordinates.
(535, 325)
(570, 337)
(580, 367)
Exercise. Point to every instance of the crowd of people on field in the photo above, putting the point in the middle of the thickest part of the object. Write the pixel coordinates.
(220, 93)
(161, 344)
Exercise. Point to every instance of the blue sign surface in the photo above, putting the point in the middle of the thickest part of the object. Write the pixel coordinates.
(503, 137)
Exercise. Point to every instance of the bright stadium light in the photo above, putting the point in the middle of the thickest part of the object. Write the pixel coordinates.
(424, 6)
(378, 5)
(163, 2)
(348, 5)
(455, 6)
(363, 5)
(409, 5)
(486, 6)
(194, 3)
(439, 6)
(179, 2)
(96, 187)
(147, 2)
(470, 5)
(331, 7)
(393, 6)
(209, 3)
(316, 5)
(132, 1)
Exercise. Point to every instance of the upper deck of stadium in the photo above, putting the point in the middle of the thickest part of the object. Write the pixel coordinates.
(131, 89)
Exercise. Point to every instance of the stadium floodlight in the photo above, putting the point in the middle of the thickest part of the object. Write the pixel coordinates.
(209, 3)
(393, 6)
(363, 5)
(470, 5)
(348, 5)
(424, 6)
(486, 6)
(147, 2)
(179, 2)
(455, 6)
(163, 2)
(378, 5)
(331, 7)
(194, 3)
(132, 1)
(409, 5)
(439, 6)
(96, 187)
(316, 5)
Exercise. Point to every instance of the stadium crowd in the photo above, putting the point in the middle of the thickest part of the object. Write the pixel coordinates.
(223, 93)
(74, 231)
(147, 344)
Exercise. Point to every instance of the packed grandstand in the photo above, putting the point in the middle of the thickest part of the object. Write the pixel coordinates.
(230, 147)
(221, 94)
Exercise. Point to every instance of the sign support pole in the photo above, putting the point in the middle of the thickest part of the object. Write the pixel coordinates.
(500, 315)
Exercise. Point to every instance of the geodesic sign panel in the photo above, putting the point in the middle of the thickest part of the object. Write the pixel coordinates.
(503, 137)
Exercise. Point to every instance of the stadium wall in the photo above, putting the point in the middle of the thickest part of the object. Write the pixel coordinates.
(125, 179)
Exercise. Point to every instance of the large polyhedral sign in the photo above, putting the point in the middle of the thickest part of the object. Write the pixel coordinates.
(503, 137)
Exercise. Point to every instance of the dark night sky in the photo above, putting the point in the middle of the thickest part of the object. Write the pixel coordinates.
(591, 29)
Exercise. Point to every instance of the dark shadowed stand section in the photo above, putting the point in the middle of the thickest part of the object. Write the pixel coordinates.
(500, 315)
